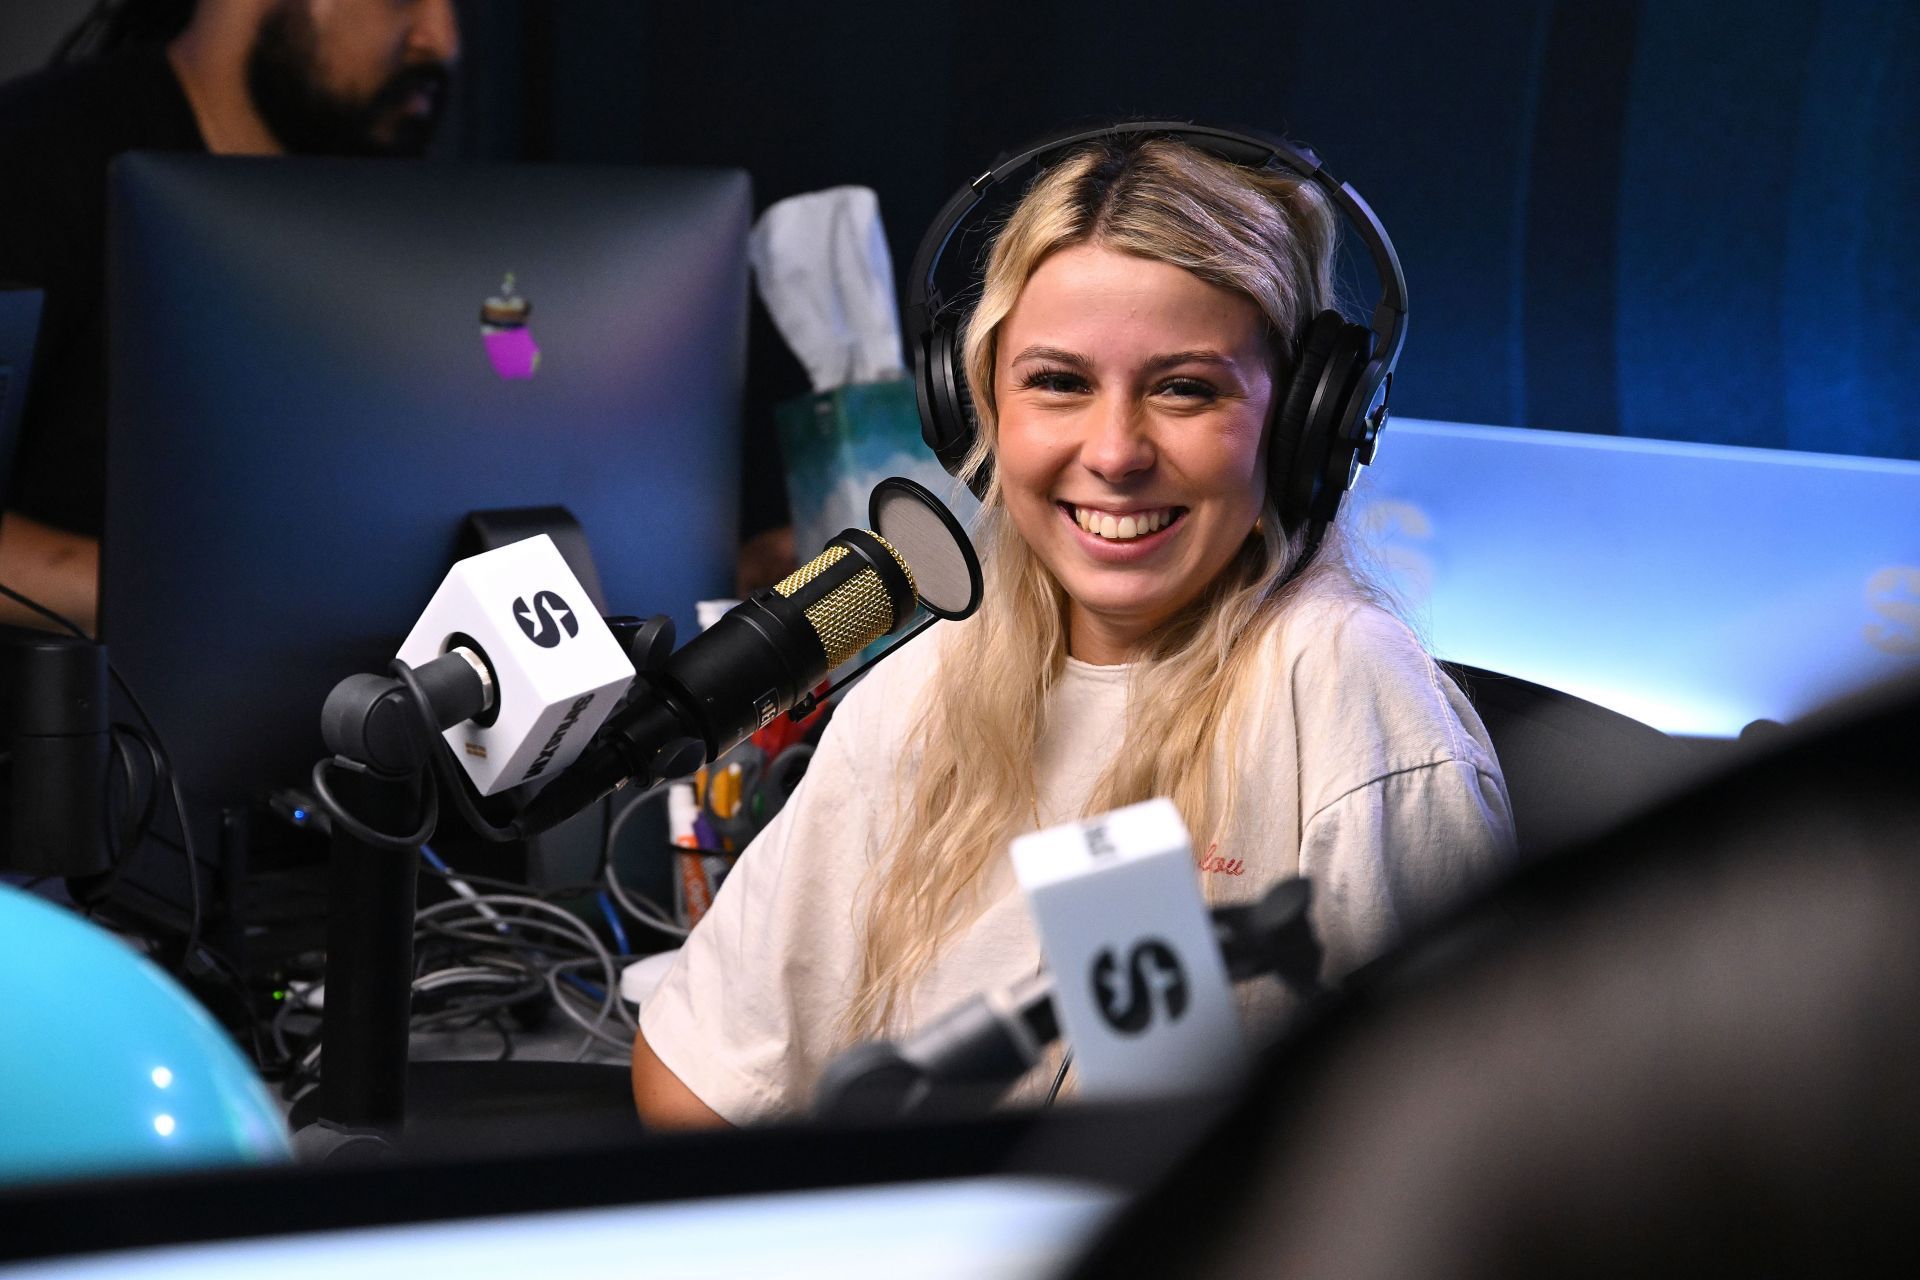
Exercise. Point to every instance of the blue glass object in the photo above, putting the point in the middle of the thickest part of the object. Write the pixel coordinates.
(109, 1066)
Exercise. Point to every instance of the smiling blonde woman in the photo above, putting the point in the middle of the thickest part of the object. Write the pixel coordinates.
(1151, 628)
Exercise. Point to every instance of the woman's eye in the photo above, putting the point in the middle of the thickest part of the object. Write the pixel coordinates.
(1187, 389)
(1054, 381)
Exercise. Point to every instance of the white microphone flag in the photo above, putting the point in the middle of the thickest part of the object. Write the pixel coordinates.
(1139, 982)
(557, 669)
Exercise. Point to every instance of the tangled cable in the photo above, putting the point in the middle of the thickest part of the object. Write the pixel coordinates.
(490, 959)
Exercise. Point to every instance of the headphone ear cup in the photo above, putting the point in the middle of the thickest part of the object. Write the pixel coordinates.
(1297, 449)
(947, 421)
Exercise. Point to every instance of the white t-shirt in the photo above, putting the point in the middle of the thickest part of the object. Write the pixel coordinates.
(1361, 767)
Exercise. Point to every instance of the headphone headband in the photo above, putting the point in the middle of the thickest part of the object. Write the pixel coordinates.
(1252, 150)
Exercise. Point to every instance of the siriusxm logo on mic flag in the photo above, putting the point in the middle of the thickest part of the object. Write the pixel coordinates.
(1153, 981)
(558, 670)
(547, 621)
(1139, 982)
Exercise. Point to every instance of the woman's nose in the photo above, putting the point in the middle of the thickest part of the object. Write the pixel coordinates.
(1117, 443)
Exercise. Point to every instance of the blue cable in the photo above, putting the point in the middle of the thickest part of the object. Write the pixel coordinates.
(593, 989)
(613, 922)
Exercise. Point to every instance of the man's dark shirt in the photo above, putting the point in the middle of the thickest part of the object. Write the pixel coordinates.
(58, 130)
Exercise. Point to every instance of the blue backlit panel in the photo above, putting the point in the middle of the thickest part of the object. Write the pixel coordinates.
(1694, 587)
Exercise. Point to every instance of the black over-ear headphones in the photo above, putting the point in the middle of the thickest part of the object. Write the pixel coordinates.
(1328, 416)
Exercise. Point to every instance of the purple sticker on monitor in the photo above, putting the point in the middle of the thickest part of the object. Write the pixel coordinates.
(513, 352)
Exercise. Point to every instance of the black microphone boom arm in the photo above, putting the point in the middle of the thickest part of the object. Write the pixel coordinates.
(962, 1062)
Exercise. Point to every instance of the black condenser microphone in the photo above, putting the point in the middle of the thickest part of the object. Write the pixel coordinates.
(768, 653)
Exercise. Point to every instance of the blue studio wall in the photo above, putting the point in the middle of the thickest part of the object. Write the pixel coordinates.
(1800, 235)
(1676, 219)
(1684, 221)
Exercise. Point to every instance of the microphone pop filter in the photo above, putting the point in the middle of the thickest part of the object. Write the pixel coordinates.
(929, 538)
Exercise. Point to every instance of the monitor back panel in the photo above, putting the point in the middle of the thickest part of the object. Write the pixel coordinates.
(303, 409)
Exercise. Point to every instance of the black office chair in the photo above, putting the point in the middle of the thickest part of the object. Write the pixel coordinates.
(1572, 767)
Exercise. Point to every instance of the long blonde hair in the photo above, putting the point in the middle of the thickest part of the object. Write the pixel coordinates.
(969, 767)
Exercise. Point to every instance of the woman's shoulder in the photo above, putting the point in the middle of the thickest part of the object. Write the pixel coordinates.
(1329, 631)
(1362, 697)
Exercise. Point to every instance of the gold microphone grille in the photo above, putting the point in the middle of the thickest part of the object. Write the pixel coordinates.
(812, 569)
(851, 616)
(854, 614)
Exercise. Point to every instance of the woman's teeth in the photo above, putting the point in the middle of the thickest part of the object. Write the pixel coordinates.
(1137, 524)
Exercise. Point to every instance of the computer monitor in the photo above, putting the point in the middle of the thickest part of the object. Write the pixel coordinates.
(304, 407)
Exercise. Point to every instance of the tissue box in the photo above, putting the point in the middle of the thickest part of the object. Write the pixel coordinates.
(838, 444)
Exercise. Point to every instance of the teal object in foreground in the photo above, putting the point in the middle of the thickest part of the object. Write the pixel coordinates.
(107, 1066)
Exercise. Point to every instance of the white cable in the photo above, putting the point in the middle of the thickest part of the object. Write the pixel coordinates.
(621, 819)
(573, 925)
(594, 1029)
(610, 1003)
(469, 973)
(541, 936)
(468, 892)
(640, 907)
(526, 956)
(514, 980)
(609, 1006)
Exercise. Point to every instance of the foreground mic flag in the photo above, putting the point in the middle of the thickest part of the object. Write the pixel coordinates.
(1141, 988)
